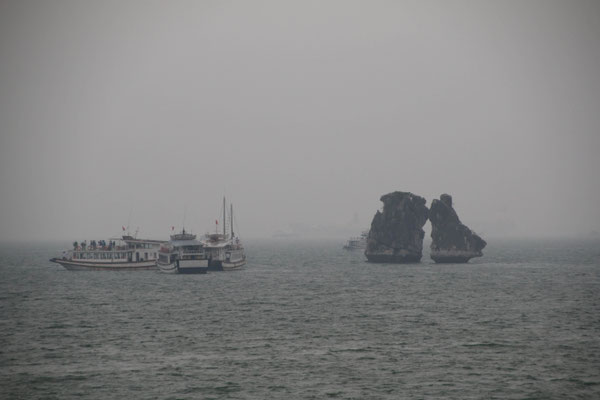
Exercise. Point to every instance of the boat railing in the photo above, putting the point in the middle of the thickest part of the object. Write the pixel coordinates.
(98, 249)
(192, 251)
(100, 252)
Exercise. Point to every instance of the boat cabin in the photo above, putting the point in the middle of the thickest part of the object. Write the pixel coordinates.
(125, 249)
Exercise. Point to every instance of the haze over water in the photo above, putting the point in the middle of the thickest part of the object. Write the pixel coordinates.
(302, 113)
(307, 320)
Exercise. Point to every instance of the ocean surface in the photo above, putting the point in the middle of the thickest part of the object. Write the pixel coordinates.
(307, 320)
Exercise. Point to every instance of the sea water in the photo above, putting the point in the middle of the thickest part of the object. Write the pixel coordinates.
(307, 320)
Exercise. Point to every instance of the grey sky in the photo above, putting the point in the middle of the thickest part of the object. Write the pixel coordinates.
(300, 112)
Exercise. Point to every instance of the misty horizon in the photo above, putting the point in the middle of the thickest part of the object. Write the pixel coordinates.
(302, 114)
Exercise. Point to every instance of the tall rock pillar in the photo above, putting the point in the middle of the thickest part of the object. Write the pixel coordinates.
(452, 242)
(396, 234)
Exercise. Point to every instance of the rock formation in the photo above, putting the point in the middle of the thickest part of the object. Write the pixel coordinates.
(396, 234)
(452, 241)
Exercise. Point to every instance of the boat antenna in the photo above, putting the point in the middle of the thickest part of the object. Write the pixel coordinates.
(129, 220)
(237, 228)
(224, 216)
(183, 221)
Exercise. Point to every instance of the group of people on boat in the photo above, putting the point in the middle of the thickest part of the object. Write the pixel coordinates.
(95, 245)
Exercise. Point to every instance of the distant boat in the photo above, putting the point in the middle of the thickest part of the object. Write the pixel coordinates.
(357, 243)
(224, 251)
(126, 253)
(183, 254)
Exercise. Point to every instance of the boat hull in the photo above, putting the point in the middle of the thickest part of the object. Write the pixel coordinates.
(215, 265)
(233, 265)
(90, 266)
(347, 247)
(185, 267)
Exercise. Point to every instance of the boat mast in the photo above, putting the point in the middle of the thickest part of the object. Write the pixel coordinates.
(224, 217)
(231, 218)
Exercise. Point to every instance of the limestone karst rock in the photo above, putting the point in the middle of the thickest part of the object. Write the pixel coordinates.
(396, 234)
(452, 242)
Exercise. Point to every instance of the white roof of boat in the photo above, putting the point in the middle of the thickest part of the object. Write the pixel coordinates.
(132, 239)
(154, 241)
(179, 243)
(220, 243)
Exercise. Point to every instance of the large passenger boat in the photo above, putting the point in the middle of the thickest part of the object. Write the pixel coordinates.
(126, 253)
(224, 251)
(183, 254)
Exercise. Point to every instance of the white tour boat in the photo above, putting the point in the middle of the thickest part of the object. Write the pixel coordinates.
(357, 243)
(126, 253)
(224, 251)
(183, 254)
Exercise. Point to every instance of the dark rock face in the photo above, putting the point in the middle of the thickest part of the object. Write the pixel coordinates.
(452, 241)
(396, 234)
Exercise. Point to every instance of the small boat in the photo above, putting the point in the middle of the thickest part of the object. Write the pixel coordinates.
(126, 253)
(183, 254)
(357, 243)
(224, 251)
